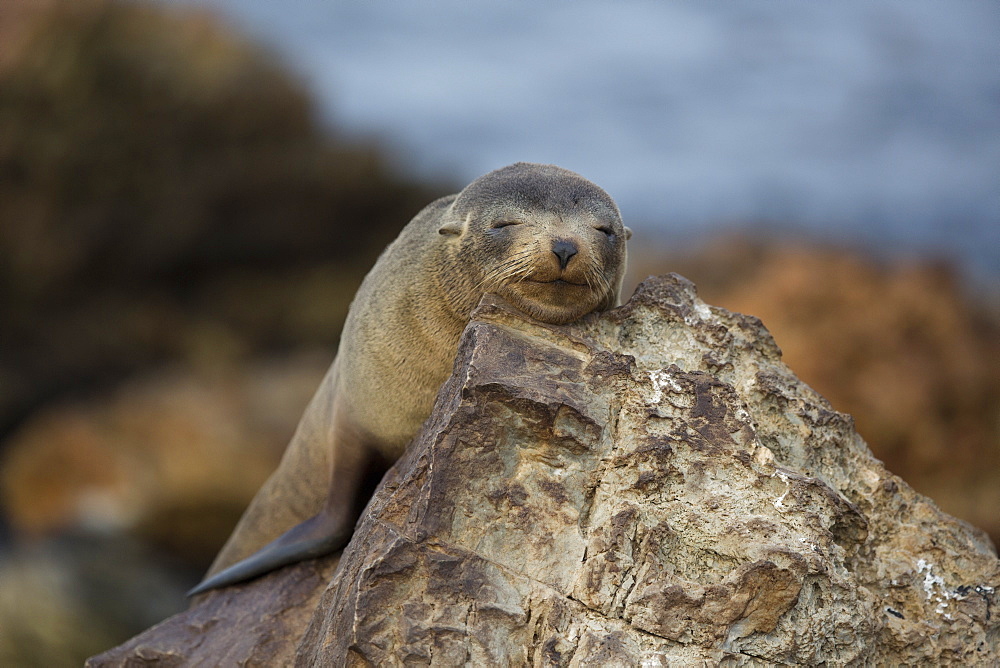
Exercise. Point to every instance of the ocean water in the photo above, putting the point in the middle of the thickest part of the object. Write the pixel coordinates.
(873, 123)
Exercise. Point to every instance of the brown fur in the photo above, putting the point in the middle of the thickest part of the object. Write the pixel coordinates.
(545, 239)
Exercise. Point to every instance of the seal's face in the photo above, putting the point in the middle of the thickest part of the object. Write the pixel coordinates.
(555, 267)
(548, 241)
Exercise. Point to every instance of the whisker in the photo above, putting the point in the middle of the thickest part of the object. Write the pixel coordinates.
(513, 267)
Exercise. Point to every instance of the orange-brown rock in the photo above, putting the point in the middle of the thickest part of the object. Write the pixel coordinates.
(173, 458)
(649, 486)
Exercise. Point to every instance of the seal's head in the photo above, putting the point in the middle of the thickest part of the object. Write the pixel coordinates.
(544, 238)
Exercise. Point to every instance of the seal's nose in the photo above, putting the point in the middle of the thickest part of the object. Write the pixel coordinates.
(564, 250)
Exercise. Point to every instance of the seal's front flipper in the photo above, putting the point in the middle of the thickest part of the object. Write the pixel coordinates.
(315, 537)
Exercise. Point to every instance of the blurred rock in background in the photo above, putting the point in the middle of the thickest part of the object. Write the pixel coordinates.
(170, 458)
(69, 596)
(179, 242)
(175, 219)
(166, 194)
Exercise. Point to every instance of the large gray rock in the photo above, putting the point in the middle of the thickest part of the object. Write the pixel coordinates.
(651, 486)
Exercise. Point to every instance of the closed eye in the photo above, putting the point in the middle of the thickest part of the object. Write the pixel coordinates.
(504, 223)
(606, 230)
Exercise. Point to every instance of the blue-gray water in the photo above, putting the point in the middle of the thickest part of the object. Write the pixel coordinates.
(876, 123)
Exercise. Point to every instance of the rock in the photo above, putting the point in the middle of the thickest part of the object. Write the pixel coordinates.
(63, 599)
(172, 458)
(903, 346)
(650, 486)
(258, 627)
(169, 195)
(151, 477)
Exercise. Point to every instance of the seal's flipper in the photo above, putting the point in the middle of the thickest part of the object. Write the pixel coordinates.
(313, 538)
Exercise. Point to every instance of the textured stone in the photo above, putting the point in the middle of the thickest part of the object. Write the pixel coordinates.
(905, 346)
(258, 625)
(649, 486)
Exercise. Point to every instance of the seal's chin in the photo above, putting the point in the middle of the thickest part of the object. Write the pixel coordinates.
(557, 301)
(559, 282)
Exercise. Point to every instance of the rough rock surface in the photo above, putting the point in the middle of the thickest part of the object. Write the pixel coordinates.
(647, 487)
(903, 345)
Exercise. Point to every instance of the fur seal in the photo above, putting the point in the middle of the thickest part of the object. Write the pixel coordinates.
(545, 239)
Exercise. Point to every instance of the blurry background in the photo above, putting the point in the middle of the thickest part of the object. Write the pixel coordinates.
(191, 191)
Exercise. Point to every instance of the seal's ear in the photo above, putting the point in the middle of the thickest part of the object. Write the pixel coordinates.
(451, 227)
(628, 233)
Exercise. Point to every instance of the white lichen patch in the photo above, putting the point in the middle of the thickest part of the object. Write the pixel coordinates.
(655, 660)
(934, 588)
(743, 415)
(779, 503)
(702, 309)
(662, 380)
